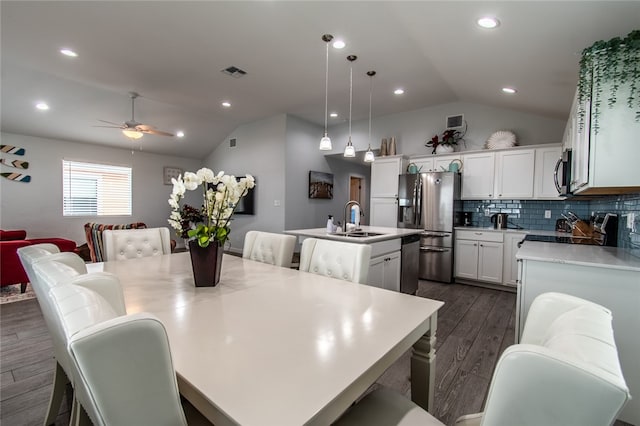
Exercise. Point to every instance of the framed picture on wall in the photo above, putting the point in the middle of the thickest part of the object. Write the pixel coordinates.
(320, 185)
(170, 172)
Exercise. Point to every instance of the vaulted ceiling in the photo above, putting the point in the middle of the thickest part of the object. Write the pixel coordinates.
(172, 53)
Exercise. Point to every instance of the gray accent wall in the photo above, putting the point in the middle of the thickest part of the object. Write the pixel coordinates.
(37, 206)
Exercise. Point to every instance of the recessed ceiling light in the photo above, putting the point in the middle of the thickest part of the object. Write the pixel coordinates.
(180, 134)
(226, 104)
(509, 90)
(68, 52)
(339, 44)
(398, 91)
(333, 115)
(488, 22)
(42, 106)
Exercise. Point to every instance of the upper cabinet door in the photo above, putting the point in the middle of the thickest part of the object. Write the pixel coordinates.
(424, 164)
(442, 162)
(514, 174)
(384, 176)
(546, 160)
(477, 176)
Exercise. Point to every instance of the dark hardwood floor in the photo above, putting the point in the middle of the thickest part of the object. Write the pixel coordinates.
(474, 326)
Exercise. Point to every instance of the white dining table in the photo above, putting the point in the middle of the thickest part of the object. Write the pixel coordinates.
(276, 346)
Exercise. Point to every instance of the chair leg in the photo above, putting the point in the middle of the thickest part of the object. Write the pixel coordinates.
(60, 381)
(23, 287)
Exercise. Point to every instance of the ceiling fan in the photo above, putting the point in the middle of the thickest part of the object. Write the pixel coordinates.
(132, 129)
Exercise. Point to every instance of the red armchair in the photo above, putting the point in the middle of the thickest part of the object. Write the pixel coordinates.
(11, 270)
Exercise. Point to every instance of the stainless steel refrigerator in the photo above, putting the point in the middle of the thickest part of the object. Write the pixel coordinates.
(429, 201)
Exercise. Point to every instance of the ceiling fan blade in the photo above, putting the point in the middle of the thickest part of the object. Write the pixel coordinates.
(110, 127)
(157, 132)
(111, 122)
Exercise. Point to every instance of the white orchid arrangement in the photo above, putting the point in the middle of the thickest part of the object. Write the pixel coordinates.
(221, 195)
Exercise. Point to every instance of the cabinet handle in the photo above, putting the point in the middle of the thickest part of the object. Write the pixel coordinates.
(478, 233)
(499, 195)
(489, 195)
(475, 245)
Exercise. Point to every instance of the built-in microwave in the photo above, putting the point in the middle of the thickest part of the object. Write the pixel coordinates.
(562, 173)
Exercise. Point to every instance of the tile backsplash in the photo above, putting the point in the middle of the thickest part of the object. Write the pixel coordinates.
(529, 214)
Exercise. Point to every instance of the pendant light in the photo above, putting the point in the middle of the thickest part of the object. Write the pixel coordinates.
(349, 150)
(325, 142)
(368, 156)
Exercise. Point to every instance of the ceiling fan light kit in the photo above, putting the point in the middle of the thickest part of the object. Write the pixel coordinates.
(132, 129)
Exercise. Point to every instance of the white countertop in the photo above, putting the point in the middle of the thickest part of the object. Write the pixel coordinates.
(586, 255)
(387, 234)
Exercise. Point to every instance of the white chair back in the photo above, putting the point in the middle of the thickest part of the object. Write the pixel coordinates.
(122, 244)
(122, 365)
(336, 259)
(267, 247)
(565, 371)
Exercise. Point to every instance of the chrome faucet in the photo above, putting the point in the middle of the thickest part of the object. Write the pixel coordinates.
(346, 207)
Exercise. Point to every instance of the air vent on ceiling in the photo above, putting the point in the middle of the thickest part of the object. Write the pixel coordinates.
(232, 142)
(234, 72)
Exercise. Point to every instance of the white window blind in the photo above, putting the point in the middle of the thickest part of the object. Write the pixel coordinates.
(95, 189)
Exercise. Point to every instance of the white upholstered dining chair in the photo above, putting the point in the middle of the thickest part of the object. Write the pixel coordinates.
(564, 372)
(59, 269)
(267, 247)
(336, 259)
(122, 244)
(121, 365)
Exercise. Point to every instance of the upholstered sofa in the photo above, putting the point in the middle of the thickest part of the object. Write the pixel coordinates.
(11, 270)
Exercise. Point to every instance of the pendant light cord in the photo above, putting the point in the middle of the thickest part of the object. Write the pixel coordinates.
(350, 97)
(370, 92)
(326, 89)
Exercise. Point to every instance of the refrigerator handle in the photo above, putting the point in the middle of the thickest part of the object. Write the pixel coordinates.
(418, 203)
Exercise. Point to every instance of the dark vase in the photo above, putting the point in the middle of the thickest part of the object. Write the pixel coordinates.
(206, 263)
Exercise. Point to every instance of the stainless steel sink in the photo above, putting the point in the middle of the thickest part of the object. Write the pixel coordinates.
(358, 234)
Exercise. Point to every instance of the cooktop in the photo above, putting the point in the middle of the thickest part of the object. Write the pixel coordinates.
(561, 239)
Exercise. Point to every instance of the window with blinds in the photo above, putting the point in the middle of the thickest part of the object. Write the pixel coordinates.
(90, 189)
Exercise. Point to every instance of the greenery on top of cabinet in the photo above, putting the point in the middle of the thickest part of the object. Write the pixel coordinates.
(614, 64)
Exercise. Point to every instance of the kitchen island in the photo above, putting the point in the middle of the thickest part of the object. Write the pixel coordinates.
(387, 253)
(608, 276)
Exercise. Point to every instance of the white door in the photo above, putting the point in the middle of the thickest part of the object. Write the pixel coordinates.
(384, 212)
(546, 160)
(442, 162)
(384, 177)
(392, 271)
(376, 272)
(466, 259)
(514, 174)
(510, 267)
(490, 262)
(477, 176)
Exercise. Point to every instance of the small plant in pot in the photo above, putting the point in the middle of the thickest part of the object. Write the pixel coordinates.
(448, 142)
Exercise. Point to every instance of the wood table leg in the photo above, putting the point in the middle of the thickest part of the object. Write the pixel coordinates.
(423, 368)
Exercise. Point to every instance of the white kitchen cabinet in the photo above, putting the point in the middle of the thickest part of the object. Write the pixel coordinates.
(606, 161)
(384, 176)
(607, 276)
(478, 256)
(514, 171)
(544, 186)
(510, 263)
(384, 271)
(384, 212)
(478, 176)
(443, 161)
(424, 164)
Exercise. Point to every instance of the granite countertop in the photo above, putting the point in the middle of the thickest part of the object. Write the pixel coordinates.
(386, 234)
(577, 254)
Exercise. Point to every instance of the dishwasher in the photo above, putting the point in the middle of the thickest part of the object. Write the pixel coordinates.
(410, 258)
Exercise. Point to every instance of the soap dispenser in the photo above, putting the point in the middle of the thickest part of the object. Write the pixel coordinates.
(330, 225)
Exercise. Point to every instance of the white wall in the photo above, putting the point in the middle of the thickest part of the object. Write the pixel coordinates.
(37, 206)
(259, 151)
(413, 129)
